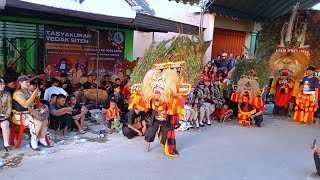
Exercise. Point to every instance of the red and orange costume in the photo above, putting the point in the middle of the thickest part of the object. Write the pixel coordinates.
(305, 107)
(247, 107)
(159, 92)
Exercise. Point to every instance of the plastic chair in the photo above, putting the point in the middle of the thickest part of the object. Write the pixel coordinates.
(20, 135)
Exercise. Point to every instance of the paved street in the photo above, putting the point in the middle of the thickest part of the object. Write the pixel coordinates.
(278, 151)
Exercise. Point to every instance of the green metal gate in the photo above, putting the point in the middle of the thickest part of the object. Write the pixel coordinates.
(21, 44)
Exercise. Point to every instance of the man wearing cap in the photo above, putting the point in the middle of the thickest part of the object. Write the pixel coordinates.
(307, 99)
(23, 101)
(223, 63)
(5, 112)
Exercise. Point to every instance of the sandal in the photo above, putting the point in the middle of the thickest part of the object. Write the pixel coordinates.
(82, 131)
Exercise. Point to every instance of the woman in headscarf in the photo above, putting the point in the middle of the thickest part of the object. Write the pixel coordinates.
(5, 112)
(23, 104)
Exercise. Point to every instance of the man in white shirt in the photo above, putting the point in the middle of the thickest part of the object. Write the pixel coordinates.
(54, 89)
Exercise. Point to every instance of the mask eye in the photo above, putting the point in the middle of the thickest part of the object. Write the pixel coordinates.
(160, 78)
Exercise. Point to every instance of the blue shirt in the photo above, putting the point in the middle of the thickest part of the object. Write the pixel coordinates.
(314, 82)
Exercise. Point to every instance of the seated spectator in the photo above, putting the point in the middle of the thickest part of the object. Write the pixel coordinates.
(90, 83)
(5, 113)
(65, 83)
(106, 83)
(112, 114)
(135, 124)
(10, 85)
(126, 91)
(43, 84)
(53, 99)
(117, 96)
(60, 115)
(24, 101)
(78, 113)
(225, 113)
(206, 74)
(96, 81)
(222, 86)
(189, 118)
(215, 72)
(117, 83)
(54, 89)
(79, 94)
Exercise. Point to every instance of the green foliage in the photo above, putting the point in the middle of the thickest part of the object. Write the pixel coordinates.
(261, 70)
(180, 48)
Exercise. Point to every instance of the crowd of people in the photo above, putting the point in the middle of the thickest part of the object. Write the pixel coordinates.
(40, 104)
(56, 104)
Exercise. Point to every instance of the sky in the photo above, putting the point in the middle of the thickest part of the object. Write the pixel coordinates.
(316, 7)
(120, 8)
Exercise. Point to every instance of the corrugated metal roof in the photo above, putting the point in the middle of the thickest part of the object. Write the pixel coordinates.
(191, 2)
(141, 22)
(254, 9)
(160, 24)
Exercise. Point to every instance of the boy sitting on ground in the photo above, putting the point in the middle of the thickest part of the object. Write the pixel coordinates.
(225, 113)
(78, 113)
(112, 115)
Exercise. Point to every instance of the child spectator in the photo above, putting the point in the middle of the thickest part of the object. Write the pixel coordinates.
(79, 94)
(225, 113)
(206, 74)
(215, 72)
(78, 113)
(222, 86)
(112, 114)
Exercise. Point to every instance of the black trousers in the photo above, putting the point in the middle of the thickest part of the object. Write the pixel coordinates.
(279, 110)
(152, 131)
(60, 121)
(317, 162)
(258, 120)
(129, 133)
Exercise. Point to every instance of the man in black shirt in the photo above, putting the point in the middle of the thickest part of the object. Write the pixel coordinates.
(10, 85)
(65, 83)
(135, 124)
(120, 101)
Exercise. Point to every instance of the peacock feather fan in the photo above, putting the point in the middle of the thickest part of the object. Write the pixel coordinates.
(260, 70)
(180, 48)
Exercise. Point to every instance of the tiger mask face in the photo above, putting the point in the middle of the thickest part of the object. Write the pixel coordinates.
(161, 85)
(248, 87)
(288, 64)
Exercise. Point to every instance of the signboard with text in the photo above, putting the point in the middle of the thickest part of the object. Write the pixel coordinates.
(71, 51)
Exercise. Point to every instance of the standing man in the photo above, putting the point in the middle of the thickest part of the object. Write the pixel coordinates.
(135, 124)
(307, 99)
(232, 61)
(223, 63)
